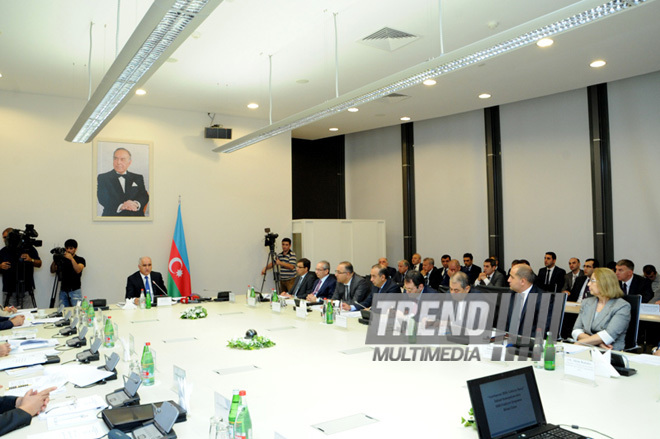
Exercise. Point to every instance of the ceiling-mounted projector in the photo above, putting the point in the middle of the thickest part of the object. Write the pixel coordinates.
(217, 132)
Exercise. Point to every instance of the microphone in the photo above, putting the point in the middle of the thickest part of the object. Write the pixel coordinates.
(157, 286)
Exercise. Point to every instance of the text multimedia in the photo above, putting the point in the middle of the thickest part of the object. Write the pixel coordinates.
(419, 353)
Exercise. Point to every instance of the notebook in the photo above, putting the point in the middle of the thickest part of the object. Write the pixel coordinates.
(508, 405)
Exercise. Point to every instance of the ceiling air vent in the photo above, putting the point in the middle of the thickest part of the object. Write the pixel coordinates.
(388, 39)
(394, 98)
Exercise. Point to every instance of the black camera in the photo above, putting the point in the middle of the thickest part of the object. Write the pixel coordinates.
(58, 255)
(269, 240)
(22, 240)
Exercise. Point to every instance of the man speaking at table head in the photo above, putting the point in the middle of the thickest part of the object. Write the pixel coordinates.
(145, 279)
(121, 193)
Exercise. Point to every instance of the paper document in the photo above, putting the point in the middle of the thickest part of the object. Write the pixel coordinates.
(14, 361)
(80, 375)
(85, 432)
(653, 360)
(20, 387)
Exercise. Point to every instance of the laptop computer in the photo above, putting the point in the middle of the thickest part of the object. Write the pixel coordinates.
(508, 405)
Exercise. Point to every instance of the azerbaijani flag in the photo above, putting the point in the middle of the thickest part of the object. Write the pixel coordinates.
(178, 279)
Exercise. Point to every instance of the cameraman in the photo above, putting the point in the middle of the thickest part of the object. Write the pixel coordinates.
(69, 267)
(10, 261)
(287, 262)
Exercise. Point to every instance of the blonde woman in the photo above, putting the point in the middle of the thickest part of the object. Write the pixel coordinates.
(604, 318)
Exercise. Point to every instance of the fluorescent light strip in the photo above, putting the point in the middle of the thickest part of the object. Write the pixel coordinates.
(164, 27)
(579, 14)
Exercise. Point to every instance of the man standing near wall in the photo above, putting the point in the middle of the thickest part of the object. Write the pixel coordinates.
(286, 260)
(17, 266)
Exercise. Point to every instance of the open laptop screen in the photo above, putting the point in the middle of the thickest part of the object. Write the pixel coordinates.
(506, 403)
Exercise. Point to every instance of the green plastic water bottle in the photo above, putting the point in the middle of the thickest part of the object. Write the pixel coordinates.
(147, 366)
(109, 333)
(243, 424)
(549, 353)
(274, 297)
(233, 410)
(148, 300)
(329, 313)
(90, 314)
(252, 292)
(84, 305)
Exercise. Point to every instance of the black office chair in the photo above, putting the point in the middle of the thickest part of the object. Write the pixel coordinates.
(635, 302)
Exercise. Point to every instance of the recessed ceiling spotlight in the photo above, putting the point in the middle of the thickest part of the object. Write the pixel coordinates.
(484, 96)
(430, 82)
(253, 106)
(545, 42)
(140, 92)
(597, 63)
(353, 110)
(0, 75)
(334, 129)
(405, 118)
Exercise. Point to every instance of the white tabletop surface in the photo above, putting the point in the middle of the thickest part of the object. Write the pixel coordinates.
(307, 378)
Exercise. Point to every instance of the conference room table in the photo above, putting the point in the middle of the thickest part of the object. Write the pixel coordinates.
(317, 373)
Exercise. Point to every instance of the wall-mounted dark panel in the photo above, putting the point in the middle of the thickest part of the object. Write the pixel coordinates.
(317, 168)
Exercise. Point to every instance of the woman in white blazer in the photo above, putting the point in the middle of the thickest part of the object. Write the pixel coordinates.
(604, 318)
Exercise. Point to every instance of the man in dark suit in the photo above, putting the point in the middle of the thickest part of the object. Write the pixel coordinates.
(551, 278)
(391, 271)
(632, 283)
(414, 283)
(490, 276)
(402, 268)
(325, 284)
(581, 288)
(573, 273)
(432, 275)
(470, 269)
(416, 262)
(453, 267)
(121, 193)
(151, 282)
(352, 289)
(17, 412)
(380, 284)
(303, 285)
(521, 281)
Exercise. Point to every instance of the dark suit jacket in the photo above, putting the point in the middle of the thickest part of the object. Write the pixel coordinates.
(111, 196)
(135, 284)
(496, 280)
(398, 278)
(473, 274)
(306, 287)
(417, 267)
(640, 285)
(12, 418)
(389, 287)
(391, 272)
(327, 289)
(534, 296)
(5, 323)
(357, 294)
(556, 280)
(435, 278)
(568, 280)
(577, 287)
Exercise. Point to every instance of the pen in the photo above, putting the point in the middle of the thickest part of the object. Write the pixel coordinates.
(17, 387)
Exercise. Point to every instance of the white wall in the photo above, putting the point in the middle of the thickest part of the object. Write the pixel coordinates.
(226, 202)
(634, 109)
(546, 179)
(374, 183)
(450, 185)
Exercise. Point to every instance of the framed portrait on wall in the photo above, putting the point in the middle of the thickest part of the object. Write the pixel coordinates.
(122, 180)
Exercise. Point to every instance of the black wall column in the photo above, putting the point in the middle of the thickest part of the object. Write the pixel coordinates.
(494, 182)
(601, 173)
(408, 173)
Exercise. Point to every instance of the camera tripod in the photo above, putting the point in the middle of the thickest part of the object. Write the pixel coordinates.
(272, 257)
(20, 289)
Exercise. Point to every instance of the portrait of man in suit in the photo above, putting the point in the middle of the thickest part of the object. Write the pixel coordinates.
(122, 193)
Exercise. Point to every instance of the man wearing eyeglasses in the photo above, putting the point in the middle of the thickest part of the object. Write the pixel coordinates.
(304, 281)
(580, 289)
(352, 289)
(325, 285)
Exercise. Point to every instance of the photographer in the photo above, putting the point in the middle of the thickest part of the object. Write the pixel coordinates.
(17, 263)
(69, 267)
(286, 260)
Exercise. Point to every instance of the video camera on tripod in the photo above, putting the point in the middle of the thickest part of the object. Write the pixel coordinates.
(270, 238)
(20, 241)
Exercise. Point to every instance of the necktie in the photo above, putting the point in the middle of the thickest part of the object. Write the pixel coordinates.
(146, 287)
(122, 182)
(295, 290)
(624, 287)
(547, 278)
(317, 287)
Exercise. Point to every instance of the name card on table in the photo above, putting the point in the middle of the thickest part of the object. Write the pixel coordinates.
(649, 308)
(164, 301)
(222, 406)
(301, 311)
(579, 368)
(252, 301)
(341, 321)
(276, 306)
